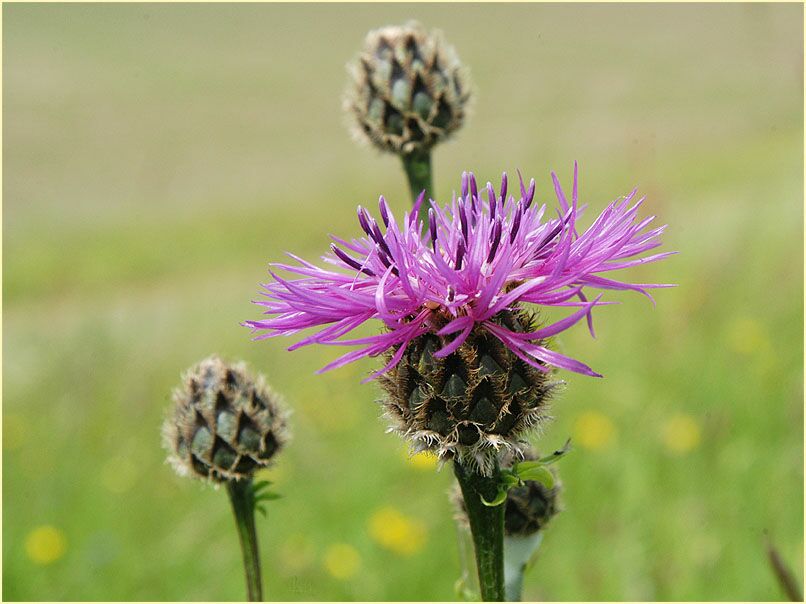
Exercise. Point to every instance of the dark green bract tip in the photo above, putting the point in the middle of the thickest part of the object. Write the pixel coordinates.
(225, 425)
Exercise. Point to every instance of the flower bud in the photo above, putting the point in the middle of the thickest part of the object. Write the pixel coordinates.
(408, 89)
(471, 403)
(225, 424)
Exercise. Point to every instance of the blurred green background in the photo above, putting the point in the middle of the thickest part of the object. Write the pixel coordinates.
(157, 157)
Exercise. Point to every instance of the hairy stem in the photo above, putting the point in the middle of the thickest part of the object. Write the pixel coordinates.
(243, 506)
(487, 528)
(418, 170)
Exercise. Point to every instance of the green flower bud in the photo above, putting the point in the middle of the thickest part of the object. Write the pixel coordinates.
(225, 425)
(408, 89)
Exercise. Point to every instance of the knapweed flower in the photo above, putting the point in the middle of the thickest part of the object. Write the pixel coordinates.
(466, 361)
(408, 89)
(225, 424)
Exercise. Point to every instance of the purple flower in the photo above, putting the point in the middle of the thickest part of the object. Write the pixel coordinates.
(482, 254)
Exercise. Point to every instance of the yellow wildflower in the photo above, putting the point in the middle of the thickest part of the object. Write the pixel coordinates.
(45, 544)
(396, 532)
(424, 460)
(594, 430)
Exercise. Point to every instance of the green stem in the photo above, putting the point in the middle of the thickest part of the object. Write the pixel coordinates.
(487, 528)
(243, 506)
(418, 170)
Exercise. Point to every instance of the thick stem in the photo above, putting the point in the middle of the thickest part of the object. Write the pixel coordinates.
(487, 528)
(243, 506)
(418, 170)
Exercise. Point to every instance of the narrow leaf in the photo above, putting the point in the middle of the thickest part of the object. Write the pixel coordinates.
(259, 486)
(557, 454)
(538, 473)
(500, 498)
(268, 496)
(509, 479)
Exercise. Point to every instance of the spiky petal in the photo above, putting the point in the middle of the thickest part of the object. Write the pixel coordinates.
(482, 254)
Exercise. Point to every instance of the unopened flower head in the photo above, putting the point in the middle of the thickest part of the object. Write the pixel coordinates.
(408, 89)
(466, 362)
(225, 424)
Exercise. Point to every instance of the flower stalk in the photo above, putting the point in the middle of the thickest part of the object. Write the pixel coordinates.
(225, 425)
(243, 507)
(528, 492)
(487, 528)
(417, 166)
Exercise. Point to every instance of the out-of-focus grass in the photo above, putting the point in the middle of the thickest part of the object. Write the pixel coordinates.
(156, 157)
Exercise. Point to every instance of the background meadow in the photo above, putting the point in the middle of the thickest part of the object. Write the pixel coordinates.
(157, 157)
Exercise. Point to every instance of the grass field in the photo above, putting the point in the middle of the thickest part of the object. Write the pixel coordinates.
(157, 157)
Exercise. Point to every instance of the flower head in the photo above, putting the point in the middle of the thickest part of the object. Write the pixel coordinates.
(485, 253)
(225, 424)
(408, 89)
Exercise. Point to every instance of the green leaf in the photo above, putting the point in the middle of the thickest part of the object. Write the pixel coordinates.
(259, 486)
(557, 454)
(500, 498)
(522, 466)
(536, 471)
(509, 478)
(260, 494)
